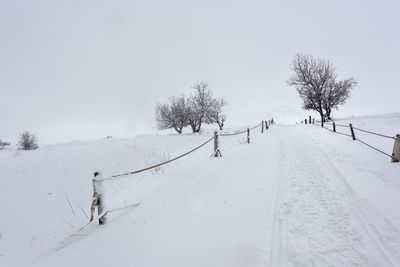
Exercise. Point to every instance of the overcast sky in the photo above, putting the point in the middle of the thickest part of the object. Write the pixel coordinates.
(86, 69)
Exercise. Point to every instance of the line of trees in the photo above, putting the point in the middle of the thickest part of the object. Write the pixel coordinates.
(194, 111)
(318, 86)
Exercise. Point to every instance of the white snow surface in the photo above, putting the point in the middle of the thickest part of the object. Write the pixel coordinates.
(297, 195)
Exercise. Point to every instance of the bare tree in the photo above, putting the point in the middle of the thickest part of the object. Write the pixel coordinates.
(310, 78)
(315, 81)
(336, 93)
(199, 106)
(215, 115)
(172, 115)
(27, 141)
(195, 110)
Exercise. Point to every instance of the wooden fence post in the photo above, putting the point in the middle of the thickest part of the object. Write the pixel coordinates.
(352, 132)
(322, 123)
(396, 149)
(334, 127)
(313, 121)
(305, 121)
(217, 153)
(262, 127)
(248, 135)
(309, 119)
(98, 200)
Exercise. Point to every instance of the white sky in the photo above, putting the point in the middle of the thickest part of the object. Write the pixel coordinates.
(87, 69)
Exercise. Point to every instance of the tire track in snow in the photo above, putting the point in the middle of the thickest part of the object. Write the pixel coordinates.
(353, 203)
(315, 219)
(276, 258)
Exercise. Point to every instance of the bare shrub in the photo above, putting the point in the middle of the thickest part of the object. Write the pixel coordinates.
(27, 141)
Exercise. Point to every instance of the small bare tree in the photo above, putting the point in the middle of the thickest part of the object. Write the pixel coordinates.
(27, 141)
(172, 115)
(216, 115)
(336, 93)
(199, 106)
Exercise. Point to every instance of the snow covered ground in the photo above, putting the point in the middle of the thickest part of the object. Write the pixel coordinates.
(298, 195)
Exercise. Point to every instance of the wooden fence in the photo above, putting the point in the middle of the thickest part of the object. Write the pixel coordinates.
(395, 156)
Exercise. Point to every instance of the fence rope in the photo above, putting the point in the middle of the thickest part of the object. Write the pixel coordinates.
(237, 133)
(256, 126)
(119, 176)
(232, 134)
(374, 148)
(349, 135)
(114, 177)
(378, 134)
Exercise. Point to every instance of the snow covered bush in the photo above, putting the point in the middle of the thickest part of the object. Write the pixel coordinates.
(3, 144)
(27, 141)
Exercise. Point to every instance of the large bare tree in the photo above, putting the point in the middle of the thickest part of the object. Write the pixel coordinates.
(310, 78)
(316, 82)
(172, 115)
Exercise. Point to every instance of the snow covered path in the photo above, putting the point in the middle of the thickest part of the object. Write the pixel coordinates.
(318, 218)
(296, 196)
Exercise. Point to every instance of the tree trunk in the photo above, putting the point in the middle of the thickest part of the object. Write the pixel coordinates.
(328, 113)
(193, 126)
(322, 119)
(198, 127)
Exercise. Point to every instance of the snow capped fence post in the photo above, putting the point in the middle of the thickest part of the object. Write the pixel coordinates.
(266, 125)
(98, 200)
(309, 119)
(313, 121)
(352, 132)
(305, 121)
(396, 149)
(217, 153)
(262, 127)
(248, 135)
(334, 127)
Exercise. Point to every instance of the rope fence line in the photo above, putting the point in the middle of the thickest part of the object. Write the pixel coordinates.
(233, 134)
(256, 126)
(374, 148)
(158, 165)
(98, 196)
(242, 132)
(396, 148)
(378, 134)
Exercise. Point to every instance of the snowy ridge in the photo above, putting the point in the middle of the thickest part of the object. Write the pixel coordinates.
(297, 195)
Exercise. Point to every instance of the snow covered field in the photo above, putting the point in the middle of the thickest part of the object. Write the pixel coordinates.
(298, 195)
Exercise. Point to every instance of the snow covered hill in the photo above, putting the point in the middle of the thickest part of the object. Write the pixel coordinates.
(297, 195)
